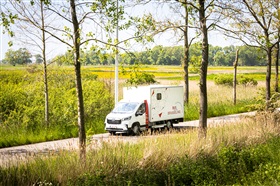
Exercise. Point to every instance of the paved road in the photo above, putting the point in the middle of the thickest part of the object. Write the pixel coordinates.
(17, 154)
(212, 122)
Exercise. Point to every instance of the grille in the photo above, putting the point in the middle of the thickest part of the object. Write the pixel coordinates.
(112, 121)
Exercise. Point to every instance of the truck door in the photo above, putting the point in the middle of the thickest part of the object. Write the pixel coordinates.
(141, 115)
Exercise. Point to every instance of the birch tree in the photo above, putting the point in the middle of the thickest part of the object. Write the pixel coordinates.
(180, 25)
(187, 43)
(201, 7)
(276, 50)
(253, 22)
(30, 23)
(204, 10)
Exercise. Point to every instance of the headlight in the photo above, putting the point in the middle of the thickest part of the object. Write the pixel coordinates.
(127, 118)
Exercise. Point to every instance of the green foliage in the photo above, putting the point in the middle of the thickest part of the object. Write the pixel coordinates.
(7, 19)
(66, 59)
(261, 104)
(250, 56)
(275, 100)
(22, 106)
(232, 165)
(226, 108)
(267, 171)
(38, 59)
(194, 64)
(224, 79)
(33, 68)
(140, 79)
(137, 77)
(191, 111)
(247, 81)
(222, 56)
(218, 108)
(159, 55)
(227, 80)
(19, 57)
(267, 174)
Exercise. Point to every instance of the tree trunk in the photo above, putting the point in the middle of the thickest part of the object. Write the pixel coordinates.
(46, 89)
(203, 72)
(79, 90)
(276, 68)
(186, 56)
(268, 73)
(235, 64)
(276, 88)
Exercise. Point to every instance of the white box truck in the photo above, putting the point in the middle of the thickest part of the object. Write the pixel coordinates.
(144, 107)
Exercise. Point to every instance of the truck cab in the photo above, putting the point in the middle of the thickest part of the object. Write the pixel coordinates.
(127, 117)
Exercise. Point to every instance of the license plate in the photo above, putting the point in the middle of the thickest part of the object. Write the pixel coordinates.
(113, 126)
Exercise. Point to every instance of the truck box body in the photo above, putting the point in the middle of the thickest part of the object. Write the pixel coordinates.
(165, 102)
(162, 104)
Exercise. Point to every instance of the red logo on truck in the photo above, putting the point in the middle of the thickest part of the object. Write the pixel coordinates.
(174, 111)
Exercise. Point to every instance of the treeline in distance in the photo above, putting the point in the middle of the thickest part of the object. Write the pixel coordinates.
(159, 55)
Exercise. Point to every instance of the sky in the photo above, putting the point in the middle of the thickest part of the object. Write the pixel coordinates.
(165, 39)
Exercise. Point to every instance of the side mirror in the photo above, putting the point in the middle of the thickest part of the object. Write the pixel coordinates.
(137, 113)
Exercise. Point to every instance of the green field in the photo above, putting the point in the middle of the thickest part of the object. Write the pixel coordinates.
(177, 73)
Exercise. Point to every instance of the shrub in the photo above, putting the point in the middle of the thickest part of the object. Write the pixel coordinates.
(246, 81)
(138, 77)
(223, 80)
(141, 79)
(22, 106)
(226, 79)
(261, 104)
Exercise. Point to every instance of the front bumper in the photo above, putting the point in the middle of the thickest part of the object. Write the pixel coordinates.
(116, 128)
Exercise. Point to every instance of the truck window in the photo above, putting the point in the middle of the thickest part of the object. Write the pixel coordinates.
(125, 107)
(142, 109)
(158, 96)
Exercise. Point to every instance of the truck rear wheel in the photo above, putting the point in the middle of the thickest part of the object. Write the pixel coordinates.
(135, 129)
(169, 125)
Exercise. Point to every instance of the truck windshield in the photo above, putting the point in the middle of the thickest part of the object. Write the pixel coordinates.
(125, 107)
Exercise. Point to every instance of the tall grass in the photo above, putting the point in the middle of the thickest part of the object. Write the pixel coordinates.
(220, 100)
(231, 154)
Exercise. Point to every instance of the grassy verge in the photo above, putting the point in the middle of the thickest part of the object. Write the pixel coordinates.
(220, 101)
(246, 153)
(20, 136)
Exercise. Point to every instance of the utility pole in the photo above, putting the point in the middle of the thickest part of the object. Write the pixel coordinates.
(1, 44)
(1, 39)
(116, 58)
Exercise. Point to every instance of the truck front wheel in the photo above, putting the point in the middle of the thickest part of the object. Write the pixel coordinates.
(135, 129)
